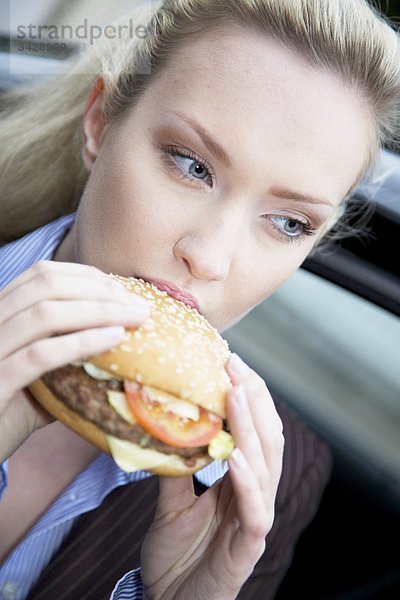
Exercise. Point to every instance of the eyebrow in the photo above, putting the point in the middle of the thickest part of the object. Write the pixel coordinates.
(207, 140)
(223, 156)
(292, 195)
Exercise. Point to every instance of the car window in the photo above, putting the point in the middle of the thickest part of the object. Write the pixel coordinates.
(335, 358)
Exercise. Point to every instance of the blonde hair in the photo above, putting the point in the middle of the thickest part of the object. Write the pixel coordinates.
(42, 175)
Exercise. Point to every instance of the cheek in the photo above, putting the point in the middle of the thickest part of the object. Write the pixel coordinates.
(121, 214)
(256, 279)
(271, 269)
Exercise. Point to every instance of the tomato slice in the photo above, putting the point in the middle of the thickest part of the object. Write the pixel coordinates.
(168, 427)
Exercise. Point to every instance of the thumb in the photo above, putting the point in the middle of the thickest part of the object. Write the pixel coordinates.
(175, 495)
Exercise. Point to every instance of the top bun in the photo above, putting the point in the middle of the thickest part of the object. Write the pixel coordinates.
(175, 350)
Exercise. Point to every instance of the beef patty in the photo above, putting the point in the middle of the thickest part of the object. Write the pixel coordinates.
(88, 397)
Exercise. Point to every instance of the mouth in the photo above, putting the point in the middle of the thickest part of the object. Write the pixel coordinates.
(175, 292)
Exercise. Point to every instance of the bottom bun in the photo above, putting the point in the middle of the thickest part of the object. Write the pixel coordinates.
(175, 467)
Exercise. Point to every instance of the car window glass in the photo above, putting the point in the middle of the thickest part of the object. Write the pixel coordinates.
(335, 358)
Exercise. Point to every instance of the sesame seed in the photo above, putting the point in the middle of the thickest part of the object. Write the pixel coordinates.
(172, 326)
(126, 348)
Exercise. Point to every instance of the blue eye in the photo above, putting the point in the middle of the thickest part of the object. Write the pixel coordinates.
(290, 226)
(194, 169)
(292, 230)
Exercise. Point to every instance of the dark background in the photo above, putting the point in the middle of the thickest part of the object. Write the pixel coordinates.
(391, 8)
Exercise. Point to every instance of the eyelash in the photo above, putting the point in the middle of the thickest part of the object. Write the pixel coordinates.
(306, 230)
(169, 151)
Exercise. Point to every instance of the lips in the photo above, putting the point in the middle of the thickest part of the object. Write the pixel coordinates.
(175, 292)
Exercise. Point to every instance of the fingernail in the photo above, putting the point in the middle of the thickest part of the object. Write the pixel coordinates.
(139, 301)
(237, 459)
(240, 397)
(135, 311)
(114, 334)
(238, 366)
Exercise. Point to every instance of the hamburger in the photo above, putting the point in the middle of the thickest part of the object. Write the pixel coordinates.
(157, 400)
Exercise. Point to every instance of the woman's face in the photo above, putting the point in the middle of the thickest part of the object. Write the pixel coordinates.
(228, 212)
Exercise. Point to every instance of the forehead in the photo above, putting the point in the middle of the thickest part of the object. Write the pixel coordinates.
(253, 94)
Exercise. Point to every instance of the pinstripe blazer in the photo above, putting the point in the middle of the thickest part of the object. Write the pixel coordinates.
(105, 543)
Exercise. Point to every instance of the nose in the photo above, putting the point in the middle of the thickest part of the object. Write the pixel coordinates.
(209, 248)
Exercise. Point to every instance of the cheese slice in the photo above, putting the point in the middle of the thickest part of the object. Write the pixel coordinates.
(182, 408)
(97, 373)
(119, 402)
(129, 458)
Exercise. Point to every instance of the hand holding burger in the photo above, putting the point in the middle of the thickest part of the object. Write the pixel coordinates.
(156, 401)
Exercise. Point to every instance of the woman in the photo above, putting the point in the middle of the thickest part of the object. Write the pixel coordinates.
(219, 168)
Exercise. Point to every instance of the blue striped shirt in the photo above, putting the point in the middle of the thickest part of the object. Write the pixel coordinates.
(22, 568)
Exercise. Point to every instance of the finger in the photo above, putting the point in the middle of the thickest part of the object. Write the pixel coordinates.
(175, 494)
(24, 366)
(48, 317)
(240, 373)
(255, 519)
(265, 418)
(47, 284)
(49, 266)
(245, 435)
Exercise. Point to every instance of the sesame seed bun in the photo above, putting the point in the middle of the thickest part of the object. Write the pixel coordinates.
(175, 349)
